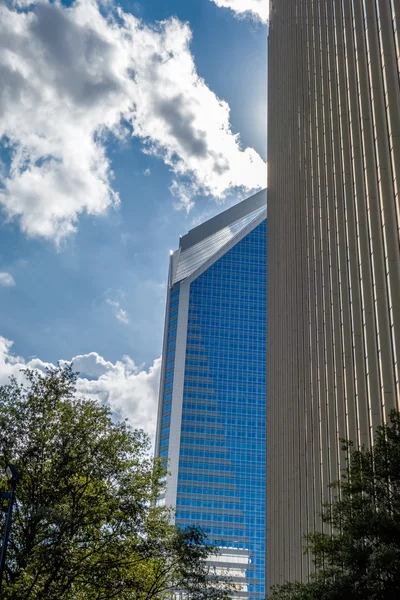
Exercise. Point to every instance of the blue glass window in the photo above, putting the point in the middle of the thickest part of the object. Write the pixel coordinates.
(223, 444)
(222, 463)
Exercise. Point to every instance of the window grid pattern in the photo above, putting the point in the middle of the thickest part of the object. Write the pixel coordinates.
(222, 468)
(192, 258)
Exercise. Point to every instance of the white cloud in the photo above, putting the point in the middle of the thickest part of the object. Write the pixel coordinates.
(6, 280)
(130, 391)
(71, 78)
(11, 364)
(147, 172)
(122, 316)
(120, 313)
(256, 8)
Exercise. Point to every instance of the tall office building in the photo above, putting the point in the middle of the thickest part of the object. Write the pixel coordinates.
(211, 423)
(333, 252)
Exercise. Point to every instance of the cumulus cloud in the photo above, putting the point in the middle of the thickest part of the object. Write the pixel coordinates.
(6, 280)
(11, 364)
(131, 391)
(74, 77)
(255, 8)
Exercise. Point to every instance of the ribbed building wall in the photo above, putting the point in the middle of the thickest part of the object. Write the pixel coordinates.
(333, 247)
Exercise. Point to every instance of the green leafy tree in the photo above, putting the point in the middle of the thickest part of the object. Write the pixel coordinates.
(86, 522)
(360, 560)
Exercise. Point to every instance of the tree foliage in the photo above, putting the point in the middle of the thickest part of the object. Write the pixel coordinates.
(86, 522)
(360, 560)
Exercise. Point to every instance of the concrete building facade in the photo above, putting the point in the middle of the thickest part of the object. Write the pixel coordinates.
(212, 409)
(333, 252)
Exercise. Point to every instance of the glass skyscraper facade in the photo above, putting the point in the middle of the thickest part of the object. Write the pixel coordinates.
(212, 410)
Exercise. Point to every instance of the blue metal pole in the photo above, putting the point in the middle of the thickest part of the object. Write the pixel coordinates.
(10, 495)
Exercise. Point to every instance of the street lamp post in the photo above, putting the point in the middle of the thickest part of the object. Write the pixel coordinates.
(13, 478)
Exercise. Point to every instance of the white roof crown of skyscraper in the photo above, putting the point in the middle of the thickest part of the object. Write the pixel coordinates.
(204, 241)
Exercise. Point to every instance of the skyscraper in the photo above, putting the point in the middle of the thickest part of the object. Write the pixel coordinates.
(334, 262)
(211, 423)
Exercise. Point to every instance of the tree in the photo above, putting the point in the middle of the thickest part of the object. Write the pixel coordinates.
(361, 558)
(86, 522)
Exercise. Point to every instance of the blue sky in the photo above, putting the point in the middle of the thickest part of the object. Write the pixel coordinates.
(118, 134)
